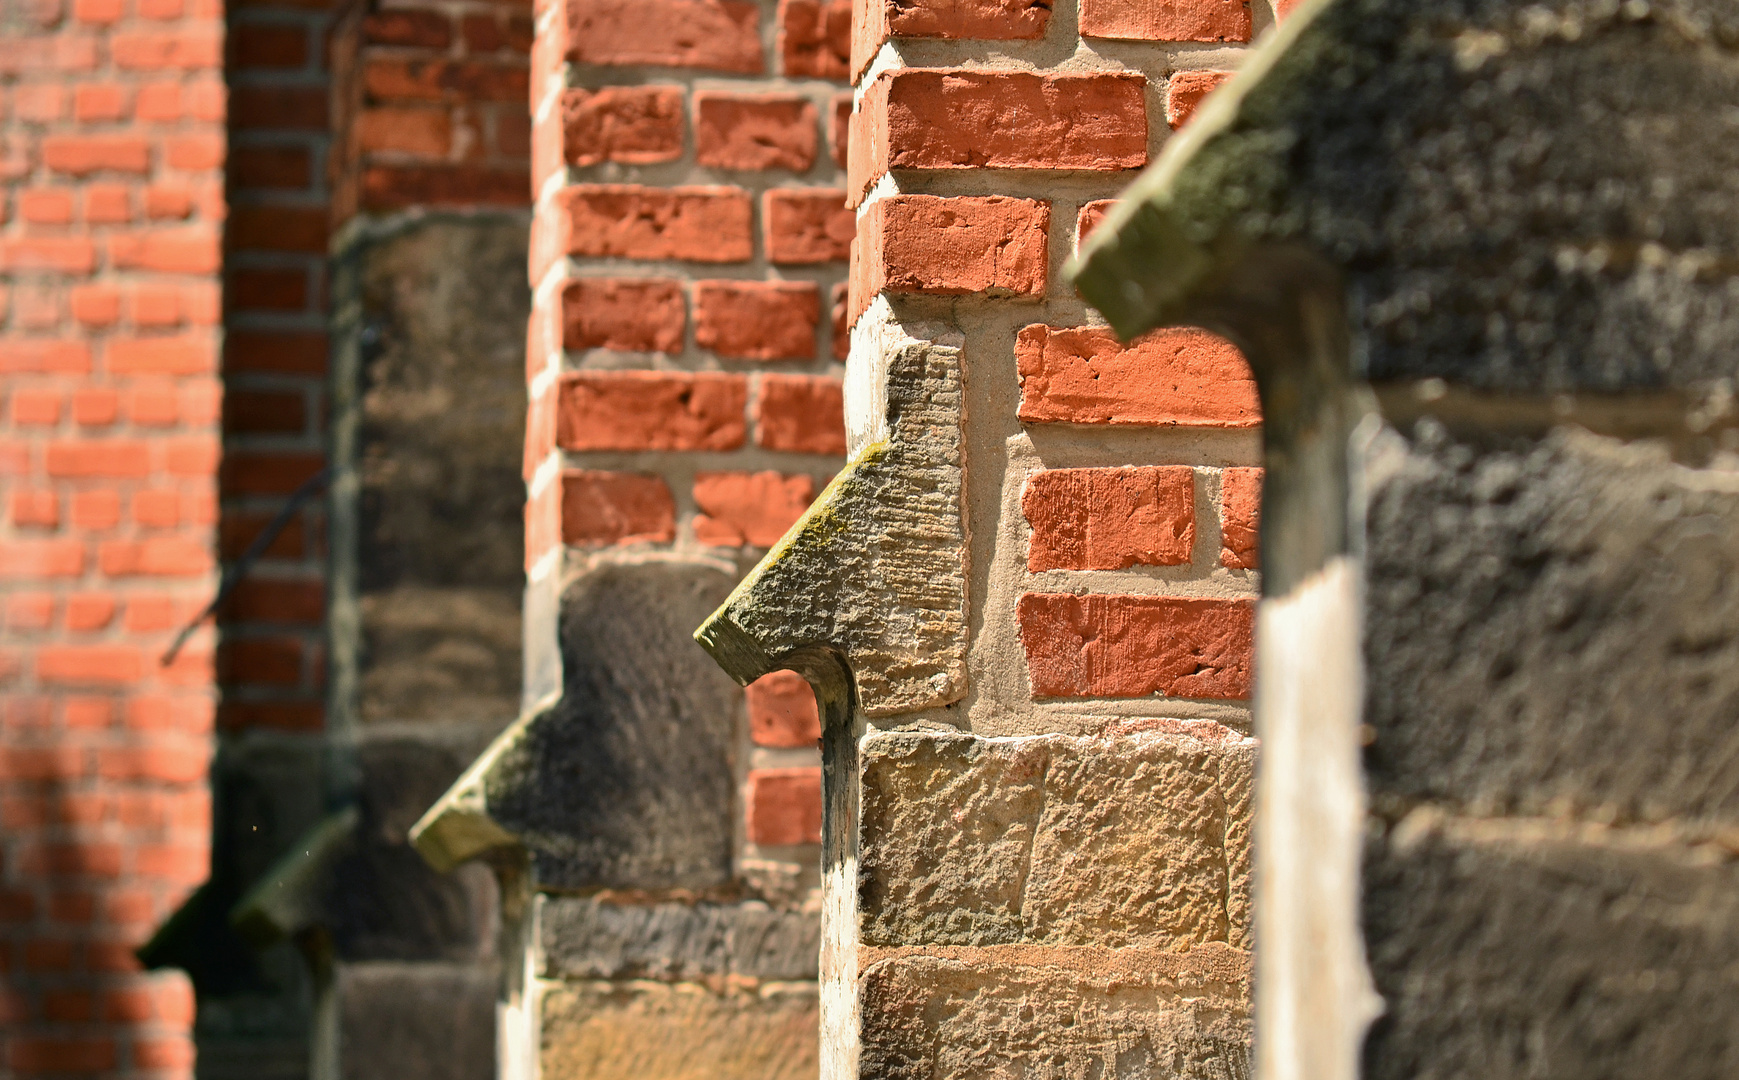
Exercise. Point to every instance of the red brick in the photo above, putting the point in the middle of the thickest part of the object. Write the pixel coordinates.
(424, 130)
(193, 47)
(951, 119)
(266, 472)
(268, 290)
(636, 125)
(1088, 219)
(40, 1055)
(807, 225)
(45, 357)
(616, 508)
(783, 807)
(277, 715)
(264, 412)
(815, 38)
(51, 763)
(782, 711)
(60, 254)
(985, 20)
(429, 29)
(839, 127)
(275, 352)
(189, 354)
(699, 224)
(802, 414)
(1240, 518)
(1137, 646)
(950, 247)
(177, 862)
(172, 251)
(36, 407)
(97, 102)
(743, 132)
(267, 661)
(96, 510)
(278, 228)
(98, 12)
(1108, 519)
(27, 559)
(156, 306)
(278, 108)
(46, 206)
(841, 314)
(39, 103)
(740, 508)
(270, 45)
(757, 320)
(623, 314)
(103, 459)
(196, 152)
(38, 509)
(391, 187)
(108, 204)
(81, 155)
(1186, 89)
(1172, 20)
(712, 35)
(168, 202)
(163, 1053)
(88, 664)
(30, 611)
(162, 556)
(157, 509)
(1168, 378)
(648, 410)
(455, 81)
(266, 167)
(96, 305)
(153, 405)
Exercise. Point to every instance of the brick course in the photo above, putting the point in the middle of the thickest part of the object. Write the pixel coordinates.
(1168, 378)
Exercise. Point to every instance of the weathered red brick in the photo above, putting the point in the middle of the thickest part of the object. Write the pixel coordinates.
(747, 132)
(193, 250)
(783, 806)
(44, 356)
(81, 155)
(624, 314)
(874, 21)
(59, 254)
(802, 414)
(89, 664)
(428, 29)
(740, 508)
(1167, 378)
(194, 47)
(391, 187)
(425, 130)
(841, 314)
(1169, 20)
(920, 118)
(1107, 519)
(757, 320)
(1137, 646)
(950, 247)
(782, 711)
(42, 1055)
(807, 225)
(389, 79)
(636, 125)
(1091, 214)
(815, 38)
(651, 410)
(839, 127)
(616, 508)
(28, 559)
(1240, 518)
(712, 35)
(1185, 90)
(699, 224)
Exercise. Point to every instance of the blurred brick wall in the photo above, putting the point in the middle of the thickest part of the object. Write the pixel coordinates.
(113, 170)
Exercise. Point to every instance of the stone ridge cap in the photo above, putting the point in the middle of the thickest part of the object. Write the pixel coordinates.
(458, 826)
(1211, 961)
(1117, 729)
(1102, 268)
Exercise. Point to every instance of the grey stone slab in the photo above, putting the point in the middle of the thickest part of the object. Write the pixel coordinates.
(584, 938)
(627, 782)
(1551, 958)
(1552, 621)
(1518, 196)
(1074, 1018)
(1054, 840)
(429, 1021)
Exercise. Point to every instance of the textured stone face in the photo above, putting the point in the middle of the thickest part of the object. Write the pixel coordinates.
(1072, 1015)
(658, 1032)
(596, 939)
(1053, 840)
(426, 1020)
(627, 781)
(1552, 621)
(1567, 953)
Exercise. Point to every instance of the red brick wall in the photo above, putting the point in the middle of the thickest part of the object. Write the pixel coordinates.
(113, 171)
(689, 260)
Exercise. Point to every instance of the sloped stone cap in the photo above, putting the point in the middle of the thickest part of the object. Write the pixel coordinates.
(1518, 197)
(874, 572)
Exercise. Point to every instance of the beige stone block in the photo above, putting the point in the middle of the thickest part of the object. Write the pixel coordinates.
(1057, 1014)
(1136, 840)
(683, 1031)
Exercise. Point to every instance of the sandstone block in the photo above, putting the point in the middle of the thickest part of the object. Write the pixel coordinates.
(616, 508)
(1107, 519)
(599, 938)
(919, 118)
(683, 1032)
(748, 132)
(1134, 646)
(1168, 378)
(1054, 840)
(651, 410)
(1060, 1013)
(426, 1020)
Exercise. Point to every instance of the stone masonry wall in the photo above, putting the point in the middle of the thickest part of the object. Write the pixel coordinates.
(1053, 860)
(113, 171)
(688, 262)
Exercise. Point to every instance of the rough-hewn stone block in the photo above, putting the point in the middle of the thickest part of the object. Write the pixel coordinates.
(685, 1032)
(1054, 840)
(424, 1020)
(598, 939)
